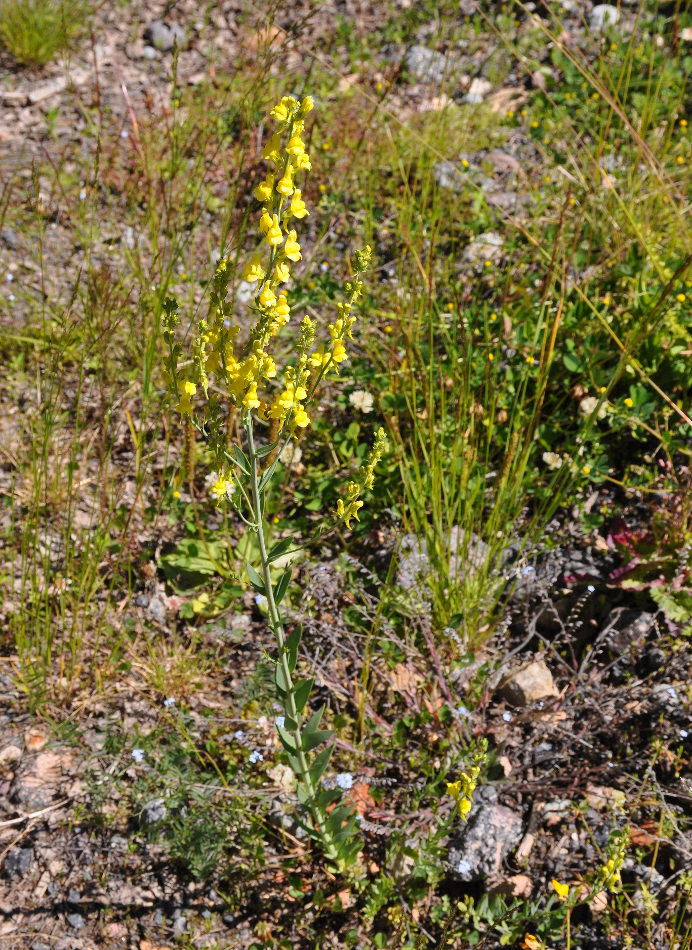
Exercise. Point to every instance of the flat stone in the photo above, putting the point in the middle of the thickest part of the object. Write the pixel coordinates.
(530, 684)
(164, 36)
(482, 846)
(153, 812)
(9, 755)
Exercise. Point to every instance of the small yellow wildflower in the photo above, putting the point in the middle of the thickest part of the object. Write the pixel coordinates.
(680, 160)
(176, 494)
(265, 221)
(292, 247)
(530, 943)
(491, 356)
(297, 207)
(281, 272)
(250, 400)
(562, 890)
(187, 391)
(307, 105)
(274, 233)
(303, 162)
(295, 146)
(586, 469)
(263, 191)
(534, 125)
(270, 153)
(267, 298)
(285, 186)
(464, 163)
(681, 298)
(282, 112)
(253, 271)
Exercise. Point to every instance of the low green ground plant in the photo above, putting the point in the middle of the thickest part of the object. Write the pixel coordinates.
(36, 31)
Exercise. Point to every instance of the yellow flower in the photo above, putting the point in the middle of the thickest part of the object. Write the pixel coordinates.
(274, 233)
(301, 418)
(281, 272)
(253, 271)
(464, 806)
(265, 222)
(282, 111)
(454, 789)
(303, 162)
(298, 209)
(250, 400)
(285, 186)
(295, 146)
(292, 248)
(681, 298)
(530, 943)
(263, 191)
(187, 391)
(629, 402)
(307, 105)
(562, 890)
(586, 469)
(281, 311)
(267, 298)
(219, 487)
(271, 150)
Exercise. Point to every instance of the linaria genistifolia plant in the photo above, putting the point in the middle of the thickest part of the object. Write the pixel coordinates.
(228, 381)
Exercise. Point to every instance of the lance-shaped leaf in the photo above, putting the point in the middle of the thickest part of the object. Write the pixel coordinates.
(267, 474)
(312, 734)
(279, 549)
(241, 460)
(266, 449)
(320, 763)
(291, 645)
(301, 693)
(255, 579)
(288, 741)
(282, 585)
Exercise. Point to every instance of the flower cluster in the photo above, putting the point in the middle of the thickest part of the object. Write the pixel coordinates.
(345, 510)
(609, 873)
(247, 371)
(462, 790)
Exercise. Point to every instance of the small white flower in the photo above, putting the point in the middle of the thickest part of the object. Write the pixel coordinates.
(552, 460)
(290, 454)
(462, 711)
(672, 693)
(82, 194)
(239, 734)
(280, 721)
(463, 867)
(591, 588)
(260, 600)
(124, 134)
(344, 780)
(256, 756)
(169, 702)
(361, 400)
(684, 733)
(589, 403)
(138, 754)
(9, 277)
(507, 716)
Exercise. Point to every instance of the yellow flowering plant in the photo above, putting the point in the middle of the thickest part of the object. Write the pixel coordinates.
(228, 387)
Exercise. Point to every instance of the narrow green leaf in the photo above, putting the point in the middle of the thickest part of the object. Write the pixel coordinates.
(242, 460)
(282, 585)
(313, 739)
(279, 549)
(314, 720)
(301, 693)
(294, 638)
(255, 578)
(320, 763)
(280, 679)
(326, 796)
(290, 724)
(266, 449)
(287, 740)
(294, 762)
(267, 474)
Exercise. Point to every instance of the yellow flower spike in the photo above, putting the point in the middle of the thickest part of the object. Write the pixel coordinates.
(274, 235)
(562, 890)
(267, 298)
(253, 271)
(297, 208)
(264, 190)
(281, 272)
(271, 150)
(292, 248)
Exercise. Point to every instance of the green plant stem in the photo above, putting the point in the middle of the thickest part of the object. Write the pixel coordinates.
(277, 629)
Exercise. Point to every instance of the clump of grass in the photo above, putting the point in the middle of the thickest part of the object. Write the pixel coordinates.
(35, 31)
